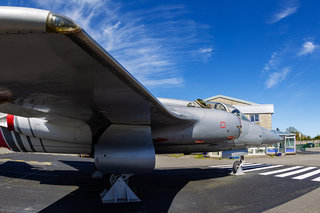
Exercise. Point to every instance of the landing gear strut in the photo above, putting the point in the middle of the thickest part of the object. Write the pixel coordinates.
(237, 167)
(119, 192)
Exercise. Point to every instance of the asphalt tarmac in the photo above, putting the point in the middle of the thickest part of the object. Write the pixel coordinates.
(62, 183)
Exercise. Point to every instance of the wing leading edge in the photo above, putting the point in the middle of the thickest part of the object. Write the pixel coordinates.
(51, 67)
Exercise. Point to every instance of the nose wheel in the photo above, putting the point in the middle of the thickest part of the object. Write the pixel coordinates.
(237, 167)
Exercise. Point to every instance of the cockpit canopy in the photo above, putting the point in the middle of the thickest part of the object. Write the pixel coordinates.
(199, 103)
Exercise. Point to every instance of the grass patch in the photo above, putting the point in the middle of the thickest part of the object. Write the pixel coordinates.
(176, 155)
(200, 156)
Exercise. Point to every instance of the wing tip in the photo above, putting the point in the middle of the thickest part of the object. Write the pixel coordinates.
(60, 24)
(15, 20)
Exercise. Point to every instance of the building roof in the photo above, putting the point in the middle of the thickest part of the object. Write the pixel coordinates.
(230, 98)
(279, 132)
(249, 107)
(256, 108)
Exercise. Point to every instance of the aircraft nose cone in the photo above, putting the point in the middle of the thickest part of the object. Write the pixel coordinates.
(270, 137)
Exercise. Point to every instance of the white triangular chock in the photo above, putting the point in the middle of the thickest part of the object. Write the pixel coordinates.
(119, 192)
(239, 171)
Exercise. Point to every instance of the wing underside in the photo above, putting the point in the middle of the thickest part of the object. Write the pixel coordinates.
(50, 67)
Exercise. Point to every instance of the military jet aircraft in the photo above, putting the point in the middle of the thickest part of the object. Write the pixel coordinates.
(61, 92)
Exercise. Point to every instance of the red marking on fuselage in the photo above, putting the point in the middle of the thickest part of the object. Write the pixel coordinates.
(199, 141)
(231, 137)
(160, 139)
(223, 124)
(3, 142)
(10, 122)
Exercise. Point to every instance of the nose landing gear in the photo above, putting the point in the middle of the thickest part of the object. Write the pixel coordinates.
(237, 167)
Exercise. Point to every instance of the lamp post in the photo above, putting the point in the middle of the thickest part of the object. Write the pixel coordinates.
(300, 137)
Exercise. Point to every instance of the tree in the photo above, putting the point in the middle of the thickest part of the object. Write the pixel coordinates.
(316, 138)
(295, 131)
(305, 137)
(291, 129)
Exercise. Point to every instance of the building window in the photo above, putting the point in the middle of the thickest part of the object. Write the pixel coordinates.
(254, 118)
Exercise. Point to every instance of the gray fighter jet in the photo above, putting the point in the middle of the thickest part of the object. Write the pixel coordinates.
(61, 92)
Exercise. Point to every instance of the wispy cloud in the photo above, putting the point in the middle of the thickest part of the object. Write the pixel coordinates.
(288, 9)
(307, 47)
(272, 63)
(277, 77)
(205, 53)
(149, 43)
(206, 50)
(165, 81)
(278, 66)
(287, 59)
(281, 15)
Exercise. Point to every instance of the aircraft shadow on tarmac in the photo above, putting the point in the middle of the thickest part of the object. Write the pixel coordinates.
(156, 190)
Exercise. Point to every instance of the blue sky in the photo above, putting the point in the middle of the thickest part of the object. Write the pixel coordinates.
(262, 51)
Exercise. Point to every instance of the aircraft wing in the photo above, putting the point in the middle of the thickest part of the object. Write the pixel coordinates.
(51, 67)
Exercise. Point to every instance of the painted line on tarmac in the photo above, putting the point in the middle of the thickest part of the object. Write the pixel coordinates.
(262, 168)
(316, 179)
(17, 179)
(36, 163)
(281, 170)
(229, 166)
(301, 177)
(289, 171)
(58, 154)
(295, 172)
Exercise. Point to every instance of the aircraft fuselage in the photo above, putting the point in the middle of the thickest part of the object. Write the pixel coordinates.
(211, 130)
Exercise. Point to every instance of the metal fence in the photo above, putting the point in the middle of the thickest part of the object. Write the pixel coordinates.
(302, 145)
(309, 141)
